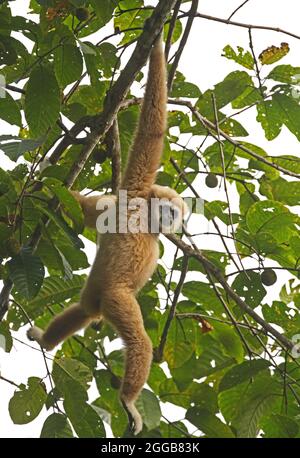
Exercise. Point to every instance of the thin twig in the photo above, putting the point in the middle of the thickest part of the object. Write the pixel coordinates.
(114, 146)
(237, 9)
(185, 36)
(242, 24)
(9, 381)
(160, 349)
(217, 274)
(211, 127)
(171, 29)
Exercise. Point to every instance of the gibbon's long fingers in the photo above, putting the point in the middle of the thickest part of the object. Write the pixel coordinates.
(123, 312)
(62, 326)
(145, 154)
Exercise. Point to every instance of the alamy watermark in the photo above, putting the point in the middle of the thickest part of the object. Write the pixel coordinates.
(296, 348)
(140, 215)
(2, 86)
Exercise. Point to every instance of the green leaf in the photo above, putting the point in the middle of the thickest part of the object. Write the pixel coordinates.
(270, 217)
(289, 110)
(208, 423)
(288, 162)
(230, 340)
(225, 92)
(250, 288)
(67, 370)
(56, 426)
(280, 426)
(241, 57)
(287, 192)
(100, 60)
(177, 429)
(185, 89)
(42, 100)
(56, 290)
(200, 293)
(9, 110)
(27, 272)
(109, 400)
(14, 147)
(6, 341)
(177, 350)
(103, 10)
(262, 395)
(84, 418)
(26, 404)
(68, 64)
(148, 406)
(285, 74)
(61, 223)
(270, 118)
(70, 205)
(242, 372)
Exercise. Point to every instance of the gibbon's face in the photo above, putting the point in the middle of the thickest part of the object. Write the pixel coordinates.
(167, 215)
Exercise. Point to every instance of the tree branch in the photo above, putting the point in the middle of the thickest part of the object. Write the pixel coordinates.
(183, 41)
(211, 127)
(242, 24)
(114, 146)
(158, 353)
(216, 273)
(171, 29)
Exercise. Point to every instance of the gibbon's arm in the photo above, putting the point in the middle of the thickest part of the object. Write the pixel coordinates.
(146, 151)
(91, 213)
(89, 206)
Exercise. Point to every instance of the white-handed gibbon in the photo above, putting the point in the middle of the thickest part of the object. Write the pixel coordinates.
(125, 261)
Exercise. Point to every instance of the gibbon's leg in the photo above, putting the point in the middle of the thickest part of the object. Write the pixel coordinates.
(122, 310)
(62, 326)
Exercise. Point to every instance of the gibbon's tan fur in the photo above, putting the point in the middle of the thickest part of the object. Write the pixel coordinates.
(125, 261)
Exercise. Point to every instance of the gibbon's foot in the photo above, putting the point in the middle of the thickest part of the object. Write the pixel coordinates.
(36, 334)
(134, 418)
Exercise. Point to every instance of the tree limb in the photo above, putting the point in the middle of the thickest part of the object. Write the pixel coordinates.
(158, 353)
(216, 273)
(185, 36)
(242, 24)
(211, 127)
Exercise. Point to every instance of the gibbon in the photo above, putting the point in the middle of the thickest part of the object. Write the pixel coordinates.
(125, 261)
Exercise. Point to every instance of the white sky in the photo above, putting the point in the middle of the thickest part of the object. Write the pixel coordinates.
(202, 64)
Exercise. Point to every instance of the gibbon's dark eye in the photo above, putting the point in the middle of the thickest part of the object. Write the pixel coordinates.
(169, 216)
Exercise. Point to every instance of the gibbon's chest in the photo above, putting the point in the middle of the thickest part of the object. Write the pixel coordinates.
(130, 257)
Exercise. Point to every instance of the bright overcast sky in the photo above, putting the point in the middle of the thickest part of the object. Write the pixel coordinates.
(202, 64)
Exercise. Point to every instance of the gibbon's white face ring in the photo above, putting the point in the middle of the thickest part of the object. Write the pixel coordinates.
(167, 215)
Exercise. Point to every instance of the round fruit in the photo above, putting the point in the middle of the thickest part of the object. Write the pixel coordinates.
(211, 180)
(268, 277)
(82, 14)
